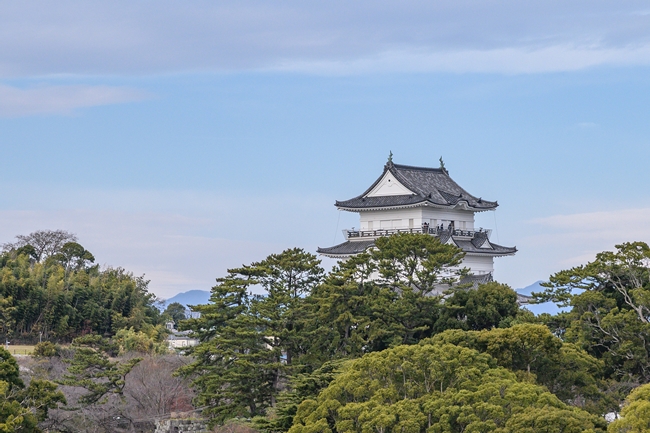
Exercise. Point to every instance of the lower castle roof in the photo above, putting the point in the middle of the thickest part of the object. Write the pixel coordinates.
(346, 249)
(351, 248)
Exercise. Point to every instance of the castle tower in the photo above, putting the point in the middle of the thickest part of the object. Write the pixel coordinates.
(421, 200)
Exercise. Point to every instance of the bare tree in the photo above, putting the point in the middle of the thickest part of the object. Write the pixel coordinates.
(45, 242)
(153, 390)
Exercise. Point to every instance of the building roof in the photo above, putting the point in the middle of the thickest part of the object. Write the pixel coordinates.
(479, 245)
(428, 186)
(475, 280)
(346, 249)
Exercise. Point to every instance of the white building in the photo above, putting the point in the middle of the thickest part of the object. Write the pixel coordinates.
(421, 200)
(179, 339)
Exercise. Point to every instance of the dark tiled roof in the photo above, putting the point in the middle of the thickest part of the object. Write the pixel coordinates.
(382, 201)
(351, 248)
(346, 248)
(475, 280)
(431, 185)
(524, 299)
(495, 250)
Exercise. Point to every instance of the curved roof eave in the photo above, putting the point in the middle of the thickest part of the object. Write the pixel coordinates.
(422, 202)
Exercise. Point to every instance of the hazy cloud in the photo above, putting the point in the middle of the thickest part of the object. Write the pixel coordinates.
(615, 221)
(17, 102)
(576, 239)
(168, 249)
(503, 60)
(93, 37)
(181, 240)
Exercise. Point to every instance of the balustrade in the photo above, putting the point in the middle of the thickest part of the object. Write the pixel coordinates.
(435, 231)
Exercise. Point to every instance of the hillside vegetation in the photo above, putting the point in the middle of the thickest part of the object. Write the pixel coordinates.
(53, 291)
(370, 347)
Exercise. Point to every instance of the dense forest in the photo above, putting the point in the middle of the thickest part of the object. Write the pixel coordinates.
(368, 347)
(51, 290)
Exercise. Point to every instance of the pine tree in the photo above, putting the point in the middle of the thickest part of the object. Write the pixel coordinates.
(249, 343)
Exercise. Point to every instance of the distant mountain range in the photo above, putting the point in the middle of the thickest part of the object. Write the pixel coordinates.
(535, 287)
(546, 307)
(193, 297)
(196, 297)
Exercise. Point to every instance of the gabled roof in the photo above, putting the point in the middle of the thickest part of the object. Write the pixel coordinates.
(429, 185)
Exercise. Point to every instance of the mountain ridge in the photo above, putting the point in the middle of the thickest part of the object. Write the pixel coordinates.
(191, 297)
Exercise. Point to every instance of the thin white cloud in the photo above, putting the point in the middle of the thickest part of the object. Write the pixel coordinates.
(503, 60)
(637, 220)
(180, 240)
(42, 100)
(575, 239)
(134, 37)
(162, 246)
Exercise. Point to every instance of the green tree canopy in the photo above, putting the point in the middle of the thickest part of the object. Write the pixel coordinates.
(491, 305)
(382, 298)
(429, 388)
(62, 297)
(21, 408)
(635, 416)
(247, 343)
(40, 244)
(176, 312)
(73, 256)
(534, 353)
(610, 317)
(415, 261)
(92, 369)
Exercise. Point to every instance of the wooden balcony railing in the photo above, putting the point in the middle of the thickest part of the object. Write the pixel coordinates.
(435, 231)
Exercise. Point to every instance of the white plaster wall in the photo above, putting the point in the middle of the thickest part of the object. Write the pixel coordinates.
(399, 218)
(479, 264)
(463, 219)
(388, 185)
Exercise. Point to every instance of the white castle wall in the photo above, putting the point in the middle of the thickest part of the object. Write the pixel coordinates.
(479, 265)
(415, 217)
(463, 219)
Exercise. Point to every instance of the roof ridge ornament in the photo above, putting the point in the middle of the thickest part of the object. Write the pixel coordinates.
(442, 166)
(390, 157)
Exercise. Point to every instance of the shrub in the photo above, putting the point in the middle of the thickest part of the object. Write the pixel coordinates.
(45, 349)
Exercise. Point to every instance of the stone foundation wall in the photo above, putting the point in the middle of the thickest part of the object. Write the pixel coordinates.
(181, 426)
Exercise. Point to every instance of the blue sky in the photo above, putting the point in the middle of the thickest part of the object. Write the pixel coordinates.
(177, 141)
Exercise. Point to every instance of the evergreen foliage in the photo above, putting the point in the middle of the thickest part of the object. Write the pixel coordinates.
(44, 349)
(610, 318)
(381, 298)
(63, 296)
(635, 416)
(387, 342)
(436, 388)
(490, 305)
(260, 356)
(239, 364)
(535, 354)
(175, 312)
(22, 408)
(92, 369)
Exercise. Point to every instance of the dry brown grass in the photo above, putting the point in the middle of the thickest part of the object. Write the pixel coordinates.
(234, 426)
(20, 349)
